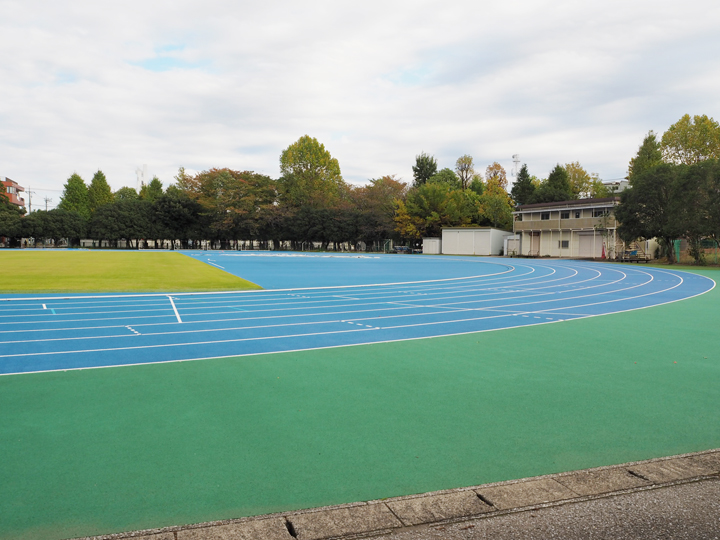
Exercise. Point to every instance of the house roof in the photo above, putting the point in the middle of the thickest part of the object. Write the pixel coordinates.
(604, 201)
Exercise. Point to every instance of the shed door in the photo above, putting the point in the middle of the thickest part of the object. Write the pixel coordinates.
(590, 245)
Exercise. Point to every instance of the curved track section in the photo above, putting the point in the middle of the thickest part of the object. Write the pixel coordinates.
(53, 333)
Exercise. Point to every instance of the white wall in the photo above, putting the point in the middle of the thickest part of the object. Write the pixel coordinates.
(472, 241)
(432, 246)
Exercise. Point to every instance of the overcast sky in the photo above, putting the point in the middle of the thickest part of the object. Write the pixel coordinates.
(99, 85)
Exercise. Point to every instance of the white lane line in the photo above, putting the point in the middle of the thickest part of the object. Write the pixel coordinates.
(175, 309)
(262, 338)
(510, 268)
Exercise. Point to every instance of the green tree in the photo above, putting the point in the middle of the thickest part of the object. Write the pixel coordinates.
(495, 205)
(446, 176)
(580, 180)
(75, 197)
(465, 170)
(99, 192)
(555, 188)
(124, 219)
(179, 215)
(375, 208)
(711, 193)
(598, 190)
(523, 188)
(691, 140)
(477, 185)
(690, 219)
(310, 175)
(424, 168)
(152, 191)
(55, 224)
(648, 208)
(430, 207)
(233, 202)
(648, 156)
(125, 194)
(11, 217)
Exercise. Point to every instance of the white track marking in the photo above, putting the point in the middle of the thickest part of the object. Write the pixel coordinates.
(355, 320)
(259, 338)
(420, 294)
(510, 268)
(175, 309)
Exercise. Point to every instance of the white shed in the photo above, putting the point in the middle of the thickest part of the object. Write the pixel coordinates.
(473, 241)
(431, 246)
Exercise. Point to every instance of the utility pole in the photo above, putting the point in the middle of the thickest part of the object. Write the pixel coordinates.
(29, 194)
(47, 200)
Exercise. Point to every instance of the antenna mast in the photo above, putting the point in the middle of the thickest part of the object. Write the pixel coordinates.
(141, 177)
(516, 162)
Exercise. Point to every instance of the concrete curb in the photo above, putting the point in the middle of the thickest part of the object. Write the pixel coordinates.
(382, 516)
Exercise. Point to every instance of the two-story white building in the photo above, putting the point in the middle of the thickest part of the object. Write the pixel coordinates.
(585, 228)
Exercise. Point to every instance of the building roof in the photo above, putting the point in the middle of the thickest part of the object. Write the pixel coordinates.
(604, 201)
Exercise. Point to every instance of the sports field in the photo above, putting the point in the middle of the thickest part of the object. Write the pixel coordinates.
(110, 271)
(90, 451)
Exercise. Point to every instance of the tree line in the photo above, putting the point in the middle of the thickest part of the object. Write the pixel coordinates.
(311, 203)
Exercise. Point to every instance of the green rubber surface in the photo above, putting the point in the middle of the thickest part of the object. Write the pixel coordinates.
(119, 449)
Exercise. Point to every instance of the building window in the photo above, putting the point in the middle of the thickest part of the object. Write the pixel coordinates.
(518, 217)
(563, 244)
(599, 212)
(545, 216)
(564, 215)
(578, 213)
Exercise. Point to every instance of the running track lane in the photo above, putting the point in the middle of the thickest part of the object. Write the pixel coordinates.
(60, 333)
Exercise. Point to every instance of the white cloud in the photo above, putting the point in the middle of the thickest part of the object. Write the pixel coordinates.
(213, 84)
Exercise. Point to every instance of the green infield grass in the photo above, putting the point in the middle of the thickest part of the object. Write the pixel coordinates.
(111, 271)
(108, 450)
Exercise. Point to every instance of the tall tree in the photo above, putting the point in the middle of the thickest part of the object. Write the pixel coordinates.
(425, 167)
(75, 196)
(477, 185)
(375, 205)
(10, 220)
(648, 208)
(648, 156)
(446, 176)
(125, 194)
(310, 175)
(152, 191)
(495, 206)
(430, 207)
(99, 192)
(465, 170)
(179, 215)
(691, 140)
(580, 180)
(523, 188)
(496, 173)
(555, 188)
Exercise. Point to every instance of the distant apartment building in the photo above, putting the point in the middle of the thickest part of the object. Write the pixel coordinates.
(12, 190)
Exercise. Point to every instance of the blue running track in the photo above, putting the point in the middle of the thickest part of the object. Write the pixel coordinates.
(315, 301)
